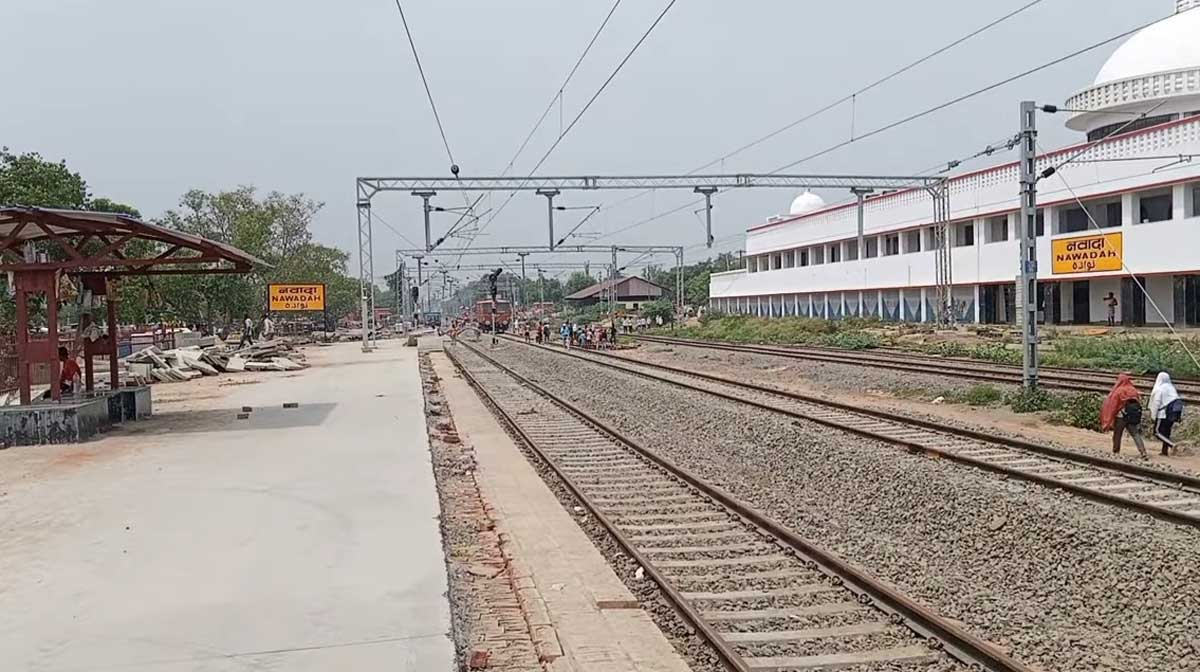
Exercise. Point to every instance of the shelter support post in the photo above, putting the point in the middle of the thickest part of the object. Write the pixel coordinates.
(31, 351)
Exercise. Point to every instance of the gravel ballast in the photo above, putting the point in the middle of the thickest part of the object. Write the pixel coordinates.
(1059, 582)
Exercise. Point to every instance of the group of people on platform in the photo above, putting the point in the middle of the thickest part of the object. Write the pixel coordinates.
(1122, 412)
(573, 335)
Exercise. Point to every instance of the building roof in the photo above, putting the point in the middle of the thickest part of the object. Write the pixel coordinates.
(1158, 69)
(622, 287)
(1163, 47)
(806, 203)
(71, 230)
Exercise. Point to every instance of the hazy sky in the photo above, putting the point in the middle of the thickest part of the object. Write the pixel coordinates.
(149, 98)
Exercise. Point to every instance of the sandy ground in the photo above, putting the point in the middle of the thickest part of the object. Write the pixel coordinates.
(299, 539)
(792, 375)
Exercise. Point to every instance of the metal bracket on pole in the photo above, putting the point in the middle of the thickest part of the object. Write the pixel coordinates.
(422, 295)
(550, 194)
(708, 192)
(1027, 280)
(861, 194)
(425, 195)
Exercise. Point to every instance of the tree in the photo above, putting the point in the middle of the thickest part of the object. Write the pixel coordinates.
(275, 229)
(578, 281)
(661, 308)
(28, 179)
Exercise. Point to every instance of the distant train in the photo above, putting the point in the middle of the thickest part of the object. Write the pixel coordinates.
(482, 315)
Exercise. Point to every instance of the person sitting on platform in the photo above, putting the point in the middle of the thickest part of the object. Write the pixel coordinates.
(69, 378)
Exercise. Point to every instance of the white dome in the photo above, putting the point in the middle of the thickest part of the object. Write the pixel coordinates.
(1159, 68)
(806, 203)
(1164, 47)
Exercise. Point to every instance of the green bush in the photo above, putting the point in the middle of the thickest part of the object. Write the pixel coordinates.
(784, 331)
(1080, 410)
(1027, 400)
(981, 395)
(851, 340)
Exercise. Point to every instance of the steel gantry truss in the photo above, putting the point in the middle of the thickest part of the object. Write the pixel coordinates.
(426, 188)
(522, 251)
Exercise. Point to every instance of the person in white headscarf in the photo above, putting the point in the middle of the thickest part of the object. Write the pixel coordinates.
(1166, 408)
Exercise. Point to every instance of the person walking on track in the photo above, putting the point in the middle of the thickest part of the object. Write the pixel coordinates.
(1122, 412)
(1166, 409)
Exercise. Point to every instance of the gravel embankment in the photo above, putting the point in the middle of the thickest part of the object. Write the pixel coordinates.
(1062, 583)
(831, 381)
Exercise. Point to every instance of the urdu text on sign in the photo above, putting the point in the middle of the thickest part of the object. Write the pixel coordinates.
(1087, 254)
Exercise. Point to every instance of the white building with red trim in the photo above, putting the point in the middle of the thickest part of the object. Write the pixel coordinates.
(1139, 183)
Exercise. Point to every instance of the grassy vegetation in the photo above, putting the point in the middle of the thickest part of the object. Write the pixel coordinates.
(850, 334)
(1136, 354)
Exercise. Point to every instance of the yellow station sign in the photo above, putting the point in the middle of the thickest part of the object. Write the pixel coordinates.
(1087, 254)
(296, 297)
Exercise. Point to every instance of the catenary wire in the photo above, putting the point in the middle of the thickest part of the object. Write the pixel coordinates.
(582, 111)
(916, 116)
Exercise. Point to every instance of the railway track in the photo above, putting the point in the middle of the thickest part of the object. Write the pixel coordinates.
(1077, 380)
(761, 596)
(1166, 495)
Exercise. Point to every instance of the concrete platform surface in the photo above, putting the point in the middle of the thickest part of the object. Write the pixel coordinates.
(298, 539)
(596, 619)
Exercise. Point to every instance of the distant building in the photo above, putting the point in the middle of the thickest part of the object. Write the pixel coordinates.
(632, 292)
(1140, 187)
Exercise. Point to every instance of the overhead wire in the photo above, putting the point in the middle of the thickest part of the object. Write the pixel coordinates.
(637, 45)
(853, 94)
(562, 88)
(913, 117)
(424, 80)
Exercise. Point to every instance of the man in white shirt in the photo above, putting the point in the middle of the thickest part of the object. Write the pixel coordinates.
(268, 328)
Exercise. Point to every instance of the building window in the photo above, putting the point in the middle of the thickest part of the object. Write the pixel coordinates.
(776, 262)
(804, 257)
(1074, 219)
(789, 259)
(872, 247)
(891, 244)
(997, 228)
(1040, 226)
(931, 238)
(835, 253)
(852, 249)
(912, 241)
(1195, 201)
(1156, 206)
(964, 234)
(818, 255)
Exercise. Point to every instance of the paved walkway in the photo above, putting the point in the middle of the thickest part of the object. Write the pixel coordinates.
(300, 539)
(574, 591)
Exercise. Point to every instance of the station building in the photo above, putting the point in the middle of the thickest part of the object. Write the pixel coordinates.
(1140, 187)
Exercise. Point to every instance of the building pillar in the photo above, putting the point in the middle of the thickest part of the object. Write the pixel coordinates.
(903, 307)
(924, 310)
(1050, 217)
(1128, 216)
(976, 320)
(879, 302)
(1179, 201)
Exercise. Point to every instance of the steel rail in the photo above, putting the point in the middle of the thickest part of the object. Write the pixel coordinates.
(1050, 378)
(728, 656)
(955, 639)
(1132, 471)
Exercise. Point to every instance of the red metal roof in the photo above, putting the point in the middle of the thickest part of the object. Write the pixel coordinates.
(71, 230)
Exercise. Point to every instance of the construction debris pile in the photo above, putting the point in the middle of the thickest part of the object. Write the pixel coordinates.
(152, 364)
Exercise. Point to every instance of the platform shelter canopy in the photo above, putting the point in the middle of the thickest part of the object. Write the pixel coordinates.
(105, 242)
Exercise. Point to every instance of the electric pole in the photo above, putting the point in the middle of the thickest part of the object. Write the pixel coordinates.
(708, 193)
(522, 255)
(1027, 280)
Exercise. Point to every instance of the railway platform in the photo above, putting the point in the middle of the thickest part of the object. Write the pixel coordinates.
(301, 538)
(583, 617)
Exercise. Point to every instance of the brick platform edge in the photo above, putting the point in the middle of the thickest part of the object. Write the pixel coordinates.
(500, 620)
